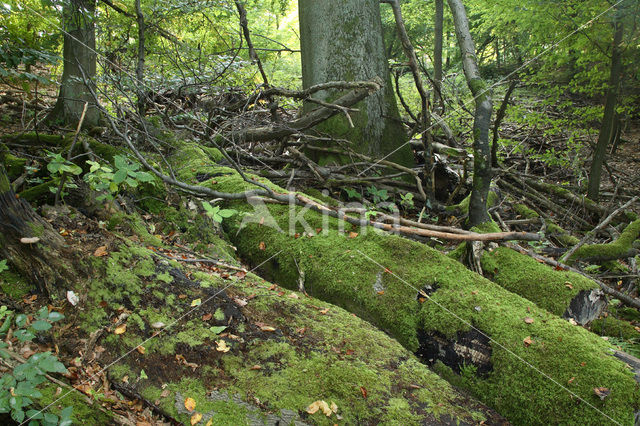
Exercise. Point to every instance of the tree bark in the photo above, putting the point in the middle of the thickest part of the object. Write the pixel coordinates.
(141, 57)
(482, 95)
(32, 246)
(79, 59)
(496, 124)
(344, 42)
(608, 120)
(437, 51)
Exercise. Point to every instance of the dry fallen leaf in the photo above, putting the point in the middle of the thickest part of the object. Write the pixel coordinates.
(293, 296)
(196, 418)
(120, 329)
(319, 405)
(196, 302)
(262, 245)
(256, 367)
(568, 285)
(602, 392)
(222, 346)
(528, 341)
(141, 350)
(324, 311)
(571, 380)
(528, 320)
(241, 274)
(209, 423)
(267, 328)
(240, 302)
(363, 391)
(100, 251)
(207, 317)
(353, 234)
(334, 407)
(165, 393)
(190, 404)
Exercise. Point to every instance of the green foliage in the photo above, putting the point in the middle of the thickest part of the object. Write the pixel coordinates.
(352, 194)
(3, 265)
(19, 389)
(407, 200)
(216, 213)
(58, 166)
(127, 174)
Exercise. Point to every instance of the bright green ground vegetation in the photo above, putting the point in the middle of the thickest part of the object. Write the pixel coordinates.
(337, 270)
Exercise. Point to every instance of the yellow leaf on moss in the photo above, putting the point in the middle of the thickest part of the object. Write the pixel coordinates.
(196, 418)
(190, 404)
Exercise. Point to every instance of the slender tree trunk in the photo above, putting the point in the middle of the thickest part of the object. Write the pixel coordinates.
(484, 106)
(142, 104)
(32, 246)
(437, 51)
(343, 41)
(79, 57)
(427, 139)
(496, 124)
(608, 120)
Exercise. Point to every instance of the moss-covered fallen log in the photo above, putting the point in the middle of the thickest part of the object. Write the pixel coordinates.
(252, 352)
(540, 368)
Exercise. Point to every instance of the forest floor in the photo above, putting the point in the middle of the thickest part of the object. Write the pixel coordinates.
(91, 239)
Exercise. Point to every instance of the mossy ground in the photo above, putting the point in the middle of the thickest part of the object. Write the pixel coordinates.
(359, 274)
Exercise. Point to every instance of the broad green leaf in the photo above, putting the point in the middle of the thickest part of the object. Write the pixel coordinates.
(41, 325)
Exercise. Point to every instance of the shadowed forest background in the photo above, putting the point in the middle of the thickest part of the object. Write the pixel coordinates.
(319, 212)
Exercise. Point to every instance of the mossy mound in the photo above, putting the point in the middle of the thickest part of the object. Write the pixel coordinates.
(614, 327)
(359, 274)
(549, 289)
(614, 249)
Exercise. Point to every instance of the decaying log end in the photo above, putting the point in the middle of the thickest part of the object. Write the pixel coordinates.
(586, 306)
(467, 348)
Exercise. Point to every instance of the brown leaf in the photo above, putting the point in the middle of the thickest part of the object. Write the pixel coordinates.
(319, 405)
(100, 251)
(353, 234)
(190, 404)
(256, 367)
(528, 320)
(207, 317)
(528, 341)
(363, 391)
(324, 311)
(381, 292)
(568, 285)
(262, 245)
(267, 328)
(571, 380)
(293, 296)
(120, 329)
(602, 392)
(241, 274)
(165, 393)
(141, 350)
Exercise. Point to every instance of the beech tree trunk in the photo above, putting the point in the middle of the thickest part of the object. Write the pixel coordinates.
(343, 41)
(484, 106)
(608, 120)
(79, 58)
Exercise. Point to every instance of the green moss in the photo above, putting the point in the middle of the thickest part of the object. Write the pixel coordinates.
(12, 164)
(133, 224)
(548, 288)
(83, 412)
(398, 412)
(39, 192)
(347, 272)
(524, 211)
(458, 252)
(486, 228)
(616, 248)
(614, 328)
(13, 285)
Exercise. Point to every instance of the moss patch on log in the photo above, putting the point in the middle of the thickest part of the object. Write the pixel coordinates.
(548, 288)
(616, 248)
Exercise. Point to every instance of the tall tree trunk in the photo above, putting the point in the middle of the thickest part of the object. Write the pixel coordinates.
(140, 65)
(608, 120)
(32, 246)
(496, 124)
(437, 51)
(79, 64)
(344, 42)
(484, 106)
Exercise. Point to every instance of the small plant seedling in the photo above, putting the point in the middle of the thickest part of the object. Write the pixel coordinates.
(379, 195)
(352, 194)
(406, 200)
(216, 213)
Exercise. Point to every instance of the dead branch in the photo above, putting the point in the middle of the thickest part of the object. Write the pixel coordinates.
(601, 225)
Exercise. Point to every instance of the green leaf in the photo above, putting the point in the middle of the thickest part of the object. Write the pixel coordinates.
(55, 316)
(145, 177)
(120, 162)
(3, 265)
(34, 414)
(24, 335)
(217, 329)
(120, 176)
(21, 320)
(17, 415)
(42, 313)
(143, 375)
(41, 325)
(50, 418)
(227, 212)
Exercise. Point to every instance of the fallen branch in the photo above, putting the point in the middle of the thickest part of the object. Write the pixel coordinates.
(601, 225)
